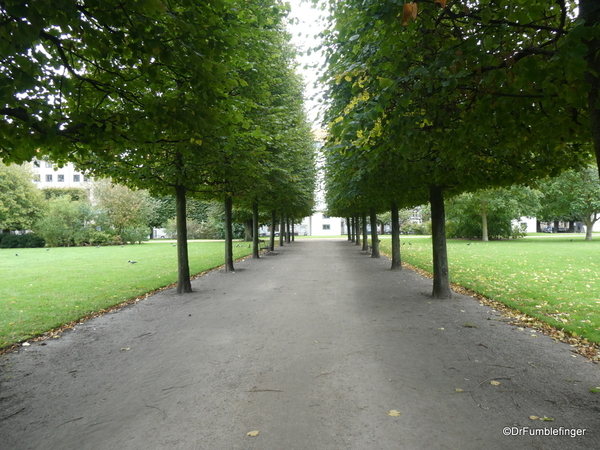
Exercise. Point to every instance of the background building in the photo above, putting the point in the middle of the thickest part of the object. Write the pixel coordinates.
(46, 175)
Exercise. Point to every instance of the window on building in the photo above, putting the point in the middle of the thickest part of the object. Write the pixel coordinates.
(48, 164)
(36, 163)
(49, 178)
(61, 178)
(325, 216)
(327, 227)
(37, 178)
(76, 178)
(85, 178)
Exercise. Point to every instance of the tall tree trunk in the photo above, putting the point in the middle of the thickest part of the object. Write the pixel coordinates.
(590, 13)
(282, 230)
(293, 230)
(272, 237)
(396, 261)
(228, 234)
(374, 237)
(287, 230)
(255, 244)
(348, 225)
(353, 234)
(184, 285)
(484, 223)
(365, 246)
(555, 227)
(441, 273)
(248, 230)
(357, 219)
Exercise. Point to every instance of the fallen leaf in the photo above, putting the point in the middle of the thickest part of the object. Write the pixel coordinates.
(124, 349)
(459, 390)
(547, 419)
(495, 383)
(253, 433)
(534, 417)
(394, 413)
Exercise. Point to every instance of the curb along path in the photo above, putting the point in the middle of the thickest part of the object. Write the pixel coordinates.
(312, 346)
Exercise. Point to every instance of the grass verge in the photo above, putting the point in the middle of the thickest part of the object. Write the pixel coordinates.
(42, 289)
(553, 279)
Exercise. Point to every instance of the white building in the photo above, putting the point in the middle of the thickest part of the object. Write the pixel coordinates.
(46, 175)
(320, 224)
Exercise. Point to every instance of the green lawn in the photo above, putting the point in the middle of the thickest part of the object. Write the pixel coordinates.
(42, 289)
(553, 278)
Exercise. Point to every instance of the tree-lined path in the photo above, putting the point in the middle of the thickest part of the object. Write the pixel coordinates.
(312, 346)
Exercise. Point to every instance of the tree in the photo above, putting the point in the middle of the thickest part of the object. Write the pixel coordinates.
(490, 213)
(20, 200)
(573, 195)
(126, 209)
(455, 99)
(65, 222)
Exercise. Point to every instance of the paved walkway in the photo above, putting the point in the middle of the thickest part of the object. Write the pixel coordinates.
(312, 347)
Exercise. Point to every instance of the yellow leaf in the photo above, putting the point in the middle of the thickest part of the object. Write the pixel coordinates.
(409, 12)
(495, 383)
(394, 413)
(459, 390)
(253, 433)
(534, 417)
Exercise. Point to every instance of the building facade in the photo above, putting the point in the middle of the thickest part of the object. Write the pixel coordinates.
(47, 175)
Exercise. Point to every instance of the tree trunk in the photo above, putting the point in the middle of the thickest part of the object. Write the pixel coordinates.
(441, 274)
(248, 230)
(353, 233)
(590, 13)
(255, 243)
(228, 234)
(282, 230)
(348, 226)
(365, 246)
(272, 237)
(589, 225)
(374, 237)
(396, 261)
(555, 227)
(293, 230)
(484, 223)
(184, 285)
(287, 230)
(357, 219)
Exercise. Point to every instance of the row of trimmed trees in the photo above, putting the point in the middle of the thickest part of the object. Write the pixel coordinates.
(190, 99)
(430, 99)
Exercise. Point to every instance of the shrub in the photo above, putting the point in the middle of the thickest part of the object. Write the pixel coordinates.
(29, 240)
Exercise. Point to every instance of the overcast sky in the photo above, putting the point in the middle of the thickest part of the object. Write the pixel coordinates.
(303, 36)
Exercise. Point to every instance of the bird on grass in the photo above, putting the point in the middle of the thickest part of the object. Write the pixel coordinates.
(132, 262)
(16, 254)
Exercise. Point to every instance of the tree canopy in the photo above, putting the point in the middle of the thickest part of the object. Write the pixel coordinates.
(431, 99)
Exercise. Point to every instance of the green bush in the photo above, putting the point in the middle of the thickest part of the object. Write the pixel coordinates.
(133, 235)
(29, 240)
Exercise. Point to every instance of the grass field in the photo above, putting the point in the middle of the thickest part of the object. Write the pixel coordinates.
(42, 289)
(552, 278)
